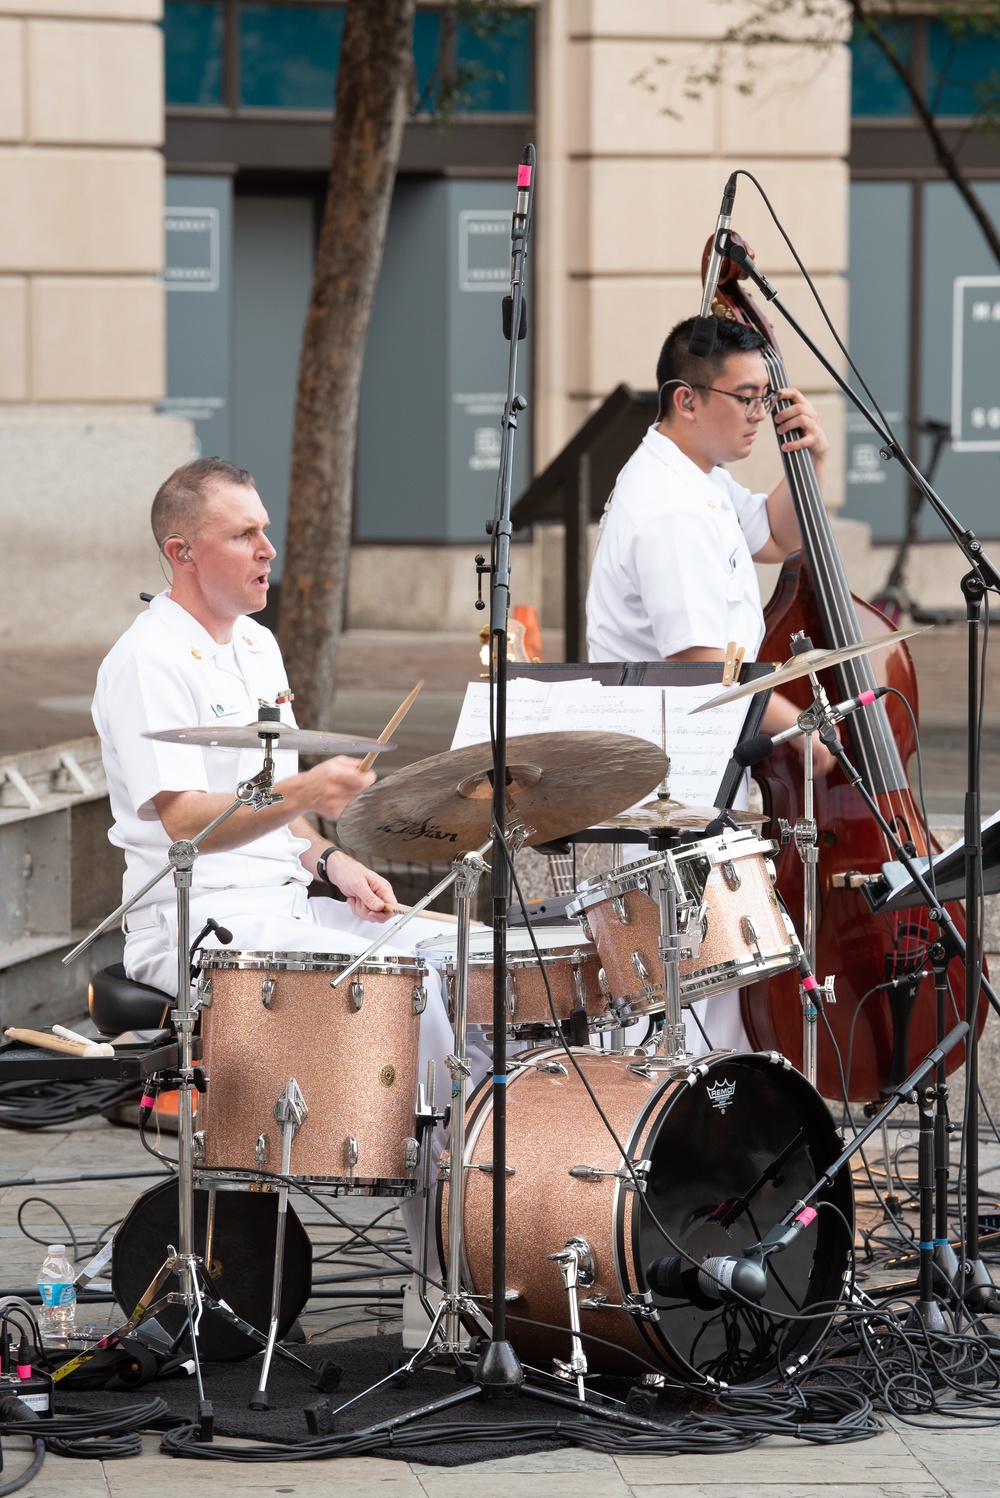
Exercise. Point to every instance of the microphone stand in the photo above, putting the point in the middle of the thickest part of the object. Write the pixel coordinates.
(184, 1262)
(975, 1284)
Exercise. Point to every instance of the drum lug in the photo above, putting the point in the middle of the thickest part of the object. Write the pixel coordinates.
(511, 995)
(641, 970)
(351, 1152)
(260, 1151)
(419, 998)
(486, 1166)
(357, 992)
(198, 1146)
(412, 1155)
(596, 1303)
(553, 1068)
(619, 908)
(267, 988)
(444, 1167)
(579, 987)
(730, 875)
(205, 990)
(749, 933)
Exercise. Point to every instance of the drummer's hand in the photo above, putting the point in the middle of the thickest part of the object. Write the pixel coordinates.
(330, 787)
(365, 891)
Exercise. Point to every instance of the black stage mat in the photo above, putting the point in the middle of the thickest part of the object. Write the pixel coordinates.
(364, 1360)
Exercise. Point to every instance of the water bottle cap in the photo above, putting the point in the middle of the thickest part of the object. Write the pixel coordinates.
(57, 1248)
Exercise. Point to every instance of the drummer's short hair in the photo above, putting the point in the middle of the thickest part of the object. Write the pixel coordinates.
(678, 366)
(181, 498)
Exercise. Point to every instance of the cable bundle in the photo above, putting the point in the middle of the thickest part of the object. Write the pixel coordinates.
(46, 1105)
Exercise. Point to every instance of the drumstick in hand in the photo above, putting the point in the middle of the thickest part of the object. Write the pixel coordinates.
(430, 915)
(391, 726)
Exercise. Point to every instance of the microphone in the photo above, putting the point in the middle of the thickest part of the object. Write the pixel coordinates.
(519, 231)
(751, 751)
(716, 1281)
(702, 340)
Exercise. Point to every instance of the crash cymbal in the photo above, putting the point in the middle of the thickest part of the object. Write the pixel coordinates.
(806, 663)
(674, 816)
(248, 736)
(558, 782)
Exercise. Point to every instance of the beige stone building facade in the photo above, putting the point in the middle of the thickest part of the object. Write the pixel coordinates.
(628, 192)
(81, 315)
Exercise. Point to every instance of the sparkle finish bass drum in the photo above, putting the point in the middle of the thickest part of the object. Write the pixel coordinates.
(720, 1154)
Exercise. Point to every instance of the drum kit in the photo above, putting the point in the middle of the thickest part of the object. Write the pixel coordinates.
(636, 1176)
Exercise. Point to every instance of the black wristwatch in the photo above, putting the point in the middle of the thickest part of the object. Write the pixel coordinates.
(321, 865)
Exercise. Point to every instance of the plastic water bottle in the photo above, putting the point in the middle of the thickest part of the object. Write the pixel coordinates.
(58, 1292)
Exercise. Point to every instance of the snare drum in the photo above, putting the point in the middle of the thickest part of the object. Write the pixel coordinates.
(745, 935)
(269, 1016)
(571, 964)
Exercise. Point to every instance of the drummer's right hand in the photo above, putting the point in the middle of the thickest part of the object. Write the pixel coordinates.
(331, 786)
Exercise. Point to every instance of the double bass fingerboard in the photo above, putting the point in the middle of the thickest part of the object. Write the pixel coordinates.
(870, 733)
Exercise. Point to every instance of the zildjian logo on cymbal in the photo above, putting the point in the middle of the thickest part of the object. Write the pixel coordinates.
(412, 830)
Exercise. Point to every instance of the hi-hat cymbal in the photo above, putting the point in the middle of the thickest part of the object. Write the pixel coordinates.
(248, 736)
(559, 783)
(674, 816)
(808, 662)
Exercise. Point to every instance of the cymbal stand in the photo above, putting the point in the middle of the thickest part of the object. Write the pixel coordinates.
(664, 889)
(805, 835)
(187, 1265)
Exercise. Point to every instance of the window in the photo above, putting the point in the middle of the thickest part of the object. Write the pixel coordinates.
(193, 52)
(286, 56)
(955, 69)
(289, 55)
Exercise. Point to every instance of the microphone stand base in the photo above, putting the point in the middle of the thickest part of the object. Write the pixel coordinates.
(498, 1372)
(975, 1286)
(928, 1314)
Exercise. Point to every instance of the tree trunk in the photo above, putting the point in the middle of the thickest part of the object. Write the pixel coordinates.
(373, 93)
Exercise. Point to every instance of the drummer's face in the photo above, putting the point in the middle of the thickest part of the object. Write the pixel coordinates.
(231, 551)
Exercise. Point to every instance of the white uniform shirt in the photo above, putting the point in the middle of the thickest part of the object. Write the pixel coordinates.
(166, 671)
(673, 566)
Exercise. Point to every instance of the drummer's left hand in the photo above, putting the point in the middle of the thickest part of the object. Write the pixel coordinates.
(366, 892)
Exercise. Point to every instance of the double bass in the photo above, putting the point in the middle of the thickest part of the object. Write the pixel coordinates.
(884, 1018)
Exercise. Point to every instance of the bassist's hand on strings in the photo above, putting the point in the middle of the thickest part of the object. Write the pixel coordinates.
(802, 419)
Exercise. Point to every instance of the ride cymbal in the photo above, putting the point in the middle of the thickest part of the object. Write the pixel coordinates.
(674, 816)
(808, 662)
(250, 736)
(558, 783)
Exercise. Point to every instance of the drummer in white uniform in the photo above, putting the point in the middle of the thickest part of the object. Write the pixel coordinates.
(673, 577)
(197, 658)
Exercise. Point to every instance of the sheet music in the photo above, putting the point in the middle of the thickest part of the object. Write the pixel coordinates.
(699, 747)
(525, 703)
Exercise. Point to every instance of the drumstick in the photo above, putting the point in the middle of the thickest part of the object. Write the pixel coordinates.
(49, 1042)
(430, 915)
(391, 727)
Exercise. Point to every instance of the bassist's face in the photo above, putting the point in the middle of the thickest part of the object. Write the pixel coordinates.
(710, 422)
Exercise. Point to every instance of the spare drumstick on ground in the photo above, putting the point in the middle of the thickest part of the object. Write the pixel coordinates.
(391, 726)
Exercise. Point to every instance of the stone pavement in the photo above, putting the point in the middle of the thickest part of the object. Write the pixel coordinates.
(902, 1462)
